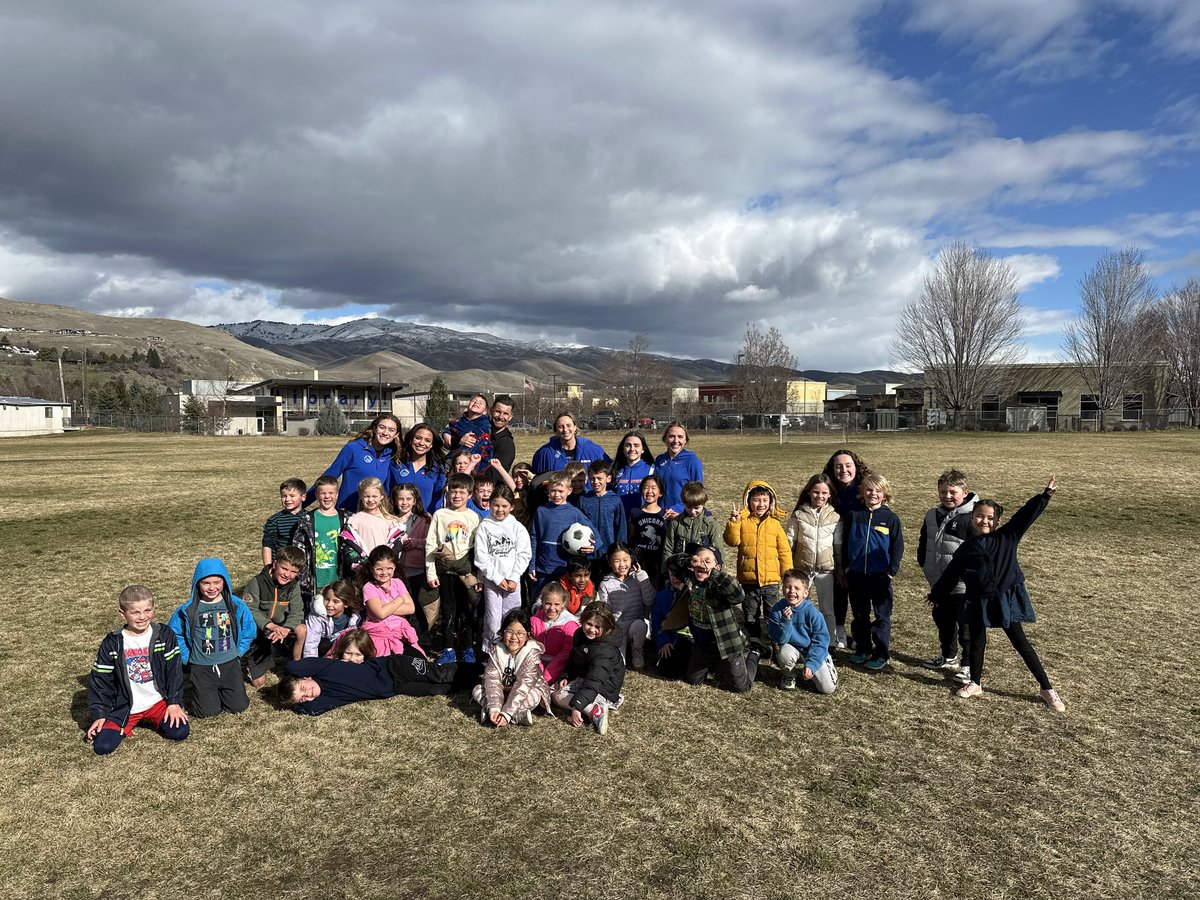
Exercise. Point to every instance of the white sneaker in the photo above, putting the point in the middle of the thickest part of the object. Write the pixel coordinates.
(600, 720)
(968, 690)
(839, 638)
(963, 675)
(1051, 699)
(524, 717)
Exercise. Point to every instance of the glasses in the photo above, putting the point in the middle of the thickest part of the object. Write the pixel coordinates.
(515, 635)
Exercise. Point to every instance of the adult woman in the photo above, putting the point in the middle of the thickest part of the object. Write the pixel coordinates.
(567, 445)
(422, 462)
(846, 471)
(370, 452)
(676, 467)
(632, 462)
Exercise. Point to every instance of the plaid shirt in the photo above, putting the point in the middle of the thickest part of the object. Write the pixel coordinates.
(722, 596)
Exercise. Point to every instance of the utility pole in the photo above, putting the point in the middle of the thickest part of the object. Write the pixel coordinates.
(85, 380)
(62, 387)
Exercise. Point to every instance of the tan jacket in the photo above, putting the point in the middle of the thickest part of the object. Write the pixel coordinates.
(816, 539)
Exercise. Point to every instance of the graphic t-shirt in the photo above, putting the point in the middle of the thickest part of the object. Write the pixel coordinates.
(212, 642)
(648, 530)
(137, 668)
(325, 551)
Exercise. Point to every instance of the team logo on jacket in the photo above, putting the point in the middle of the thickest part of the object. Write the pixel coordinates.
(418, 665)
(367, 457)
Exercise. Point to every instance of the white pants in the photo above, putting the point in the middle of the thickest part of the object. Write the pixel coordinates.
(496, 605)
(825, 676)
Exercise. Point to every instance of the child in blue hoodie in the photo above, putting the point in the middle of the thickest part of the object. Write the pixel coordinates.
(872, 547)
(799, 631)
(549, 523)
(214, 629)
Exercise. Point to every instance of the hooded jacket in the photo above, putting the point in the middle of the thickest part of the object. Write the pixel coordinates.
(270, 602)
(598, 663)
(684, 530)
(529, 689)
(109, 694)
(551, 457)
(629, 598)
(764, 552)
(183, 620)
(804, 629)
(556, 639)
(816, 538)
(676, 471)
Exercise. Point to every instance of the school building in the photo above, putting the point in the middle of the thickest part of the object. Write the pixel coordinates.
(27, 416)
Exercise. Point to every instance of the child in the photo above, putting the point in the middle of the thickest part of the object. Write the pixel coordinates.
(280, 527)
(137, 677)
(340, 609)
(273, 596)
(595, 672)
(315, 686)
(648, 528)
(448, 568)
(387, 602)
(695, 525)
(669, 622)
(634, 463)
(372, 526)
(353, 646)
(482, 489)
(629, 593)
(602, 507)
(461, 462)
(799, 630)
(214, 628)
(577, 472)
(549, 523)
(814, 529)
(872, 547)
(472, 431)
(502, 554)
(944, 530)
(764, 553)
(995, 588)
(554, 628)
(318, 534)
(513, 686)
(522, 475)
(577, 584)
(712, 596)
(409, 534)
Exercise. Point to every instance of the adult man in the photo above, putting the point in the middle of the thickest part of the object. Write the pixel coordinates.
(503, 446)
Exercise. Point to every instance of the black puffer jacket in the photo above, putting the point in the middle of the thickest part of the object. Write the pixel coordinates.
(600, 666)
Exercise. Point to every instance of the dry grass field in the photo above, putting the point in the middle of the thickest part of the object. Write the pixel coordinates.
(889, 788)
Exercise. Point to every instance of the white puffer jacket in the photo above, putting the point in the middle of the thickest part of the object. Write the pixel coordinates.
(816, 538)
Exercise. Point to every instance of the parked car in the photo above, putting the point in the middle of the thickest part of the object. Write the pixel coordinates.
(729, 419)
(606, 418)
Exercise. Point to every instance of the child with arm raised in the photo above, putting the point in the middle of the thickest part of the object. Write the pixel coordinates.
(628, 592)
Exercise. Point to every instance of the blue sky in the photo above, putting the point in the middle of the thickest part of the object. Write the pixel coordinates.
(583, 171)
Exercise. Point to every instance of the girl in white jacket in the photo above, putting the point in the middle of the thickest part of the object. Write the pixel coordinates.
(629, 593)
(502, 554)
(814, 530)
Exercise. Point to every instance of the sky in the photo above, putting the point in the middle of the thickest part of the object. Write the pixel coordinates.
(583, 171)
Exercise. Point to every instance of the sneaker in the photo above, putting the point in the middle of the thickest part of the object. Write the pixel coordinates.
(447, 657)
(484, 718)
(941, 662)
(1052, 700)
(839, 638)
(963, 675)
(524, 717)
(787, 681)
(876, 664)
(600, 720)
(638, 660)
(858, 658)
(468, 656)
(968, 690)
(620, 700)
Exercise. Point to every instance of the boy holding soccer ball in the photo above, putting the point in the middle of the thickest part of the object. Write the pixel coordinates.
(550, 523)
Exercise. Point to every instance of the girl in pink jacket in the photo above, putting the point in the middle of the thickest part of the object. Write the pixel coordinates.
(554, 628)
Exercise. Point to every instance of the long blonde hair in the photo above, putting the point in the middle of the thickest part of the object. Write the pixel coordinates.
(385, 505)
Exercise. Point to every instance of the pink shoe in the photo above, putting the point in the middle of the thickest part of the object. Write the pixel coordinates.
(968, 690)
(1051, 699)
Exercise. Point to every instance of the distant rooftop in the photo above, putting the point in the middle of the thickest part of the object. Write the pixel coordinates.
(30, 401)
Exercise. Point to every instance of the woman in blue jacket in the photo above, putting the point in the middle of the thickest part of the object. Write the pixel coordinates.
(676, 468)
(567, 445)
(369, 453)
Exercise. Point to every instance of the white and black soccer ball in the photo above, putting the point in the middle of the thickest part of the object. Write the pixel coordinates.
(576, 537)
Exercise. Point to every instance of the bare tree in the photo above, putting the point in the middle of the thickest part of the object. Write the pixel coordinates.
(964, 330)
(638, 380)
(764, 367)
(1107, 339)
(1178, 318)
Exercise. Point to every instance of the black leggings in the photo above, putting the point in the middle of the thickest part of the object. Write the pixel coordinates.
(1020, 643)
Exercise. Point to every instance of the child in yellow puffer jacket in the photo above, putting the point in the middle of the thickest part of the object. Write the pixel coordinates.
(764, 552)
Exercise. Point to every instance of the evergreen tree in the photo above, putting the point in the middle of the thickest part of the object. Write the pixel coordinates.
(135, 357)
(437, 407)
(194, 416)
(153, 360)
(332, 421)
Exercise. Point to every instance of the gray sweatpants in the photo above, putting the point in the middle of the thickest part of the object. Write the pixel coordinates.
(824, 678)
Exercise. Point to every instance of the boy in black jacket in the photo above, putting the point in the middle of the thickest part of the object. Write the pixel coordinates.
(137, 677)
(595, 671)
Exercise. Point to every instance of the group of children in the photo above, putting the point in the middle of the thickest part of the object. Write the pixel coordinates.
(484, 592)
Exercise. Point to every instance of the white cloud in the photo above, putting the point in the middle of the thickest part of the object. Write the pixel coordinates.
(1033, 269)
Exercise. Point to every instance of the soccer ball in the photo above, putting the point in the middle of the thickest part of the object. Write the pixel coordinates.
(576, 537)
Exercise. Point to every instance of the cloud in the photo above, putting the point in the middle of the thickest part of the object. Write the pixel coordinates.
(572, 171)
(1033, 269)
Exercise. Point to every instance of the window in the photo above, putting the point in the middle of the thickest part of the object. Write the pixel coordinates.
(989, 409)
(49, 412)
(1131, 408)
(1089, 407)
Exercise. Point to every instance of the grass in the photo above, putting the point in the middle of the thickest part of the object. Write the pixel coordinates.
(889, 788)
